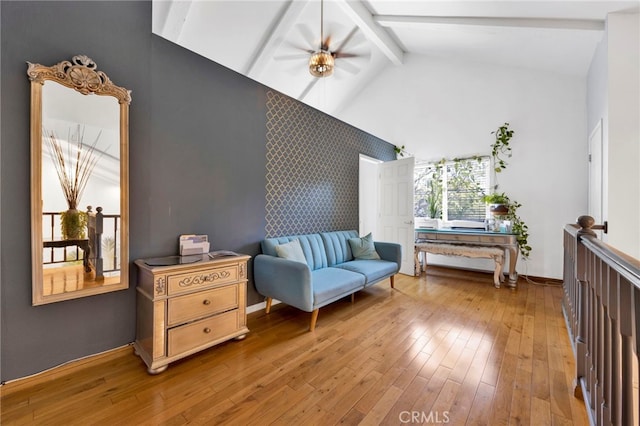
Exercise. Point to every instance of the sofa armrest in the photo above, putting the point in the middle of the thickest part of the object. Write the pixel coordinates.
(285, 280)
(389, 251)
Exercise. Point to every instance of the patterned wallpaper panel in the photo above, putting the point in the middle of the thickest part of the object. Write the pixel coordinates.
(312, 168)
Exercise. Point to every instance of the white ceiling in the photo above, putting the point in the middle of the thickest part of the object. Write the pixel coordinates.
(256, 38)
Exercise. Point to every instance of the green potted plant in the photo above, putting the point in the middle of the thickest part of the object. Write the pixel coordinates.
(500, 205)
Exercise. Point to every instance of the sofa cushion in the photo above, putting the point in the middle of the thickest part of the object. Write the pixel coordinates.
(337, 246)
(363, 247)
(312, 247)
(292, 251)
(373, 270)
(330, 284)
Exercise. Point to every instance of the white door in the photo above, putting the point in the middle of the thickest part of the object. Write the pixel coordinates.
(368, 195)
(395, 211)
(595, 174)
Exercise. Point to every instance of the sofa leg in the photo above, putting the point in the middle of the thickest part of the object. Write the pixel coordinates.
(314, 318)
(353, 297)
(392, 281)
(267, 309)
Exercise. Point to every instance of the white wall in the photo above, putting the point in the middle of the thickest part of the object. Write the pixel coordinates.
(622, 199)
(598, 113)
(448, 109)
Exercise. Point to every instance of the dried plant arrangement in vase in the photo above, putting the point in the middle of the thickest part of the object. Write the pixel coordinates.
(74, 166)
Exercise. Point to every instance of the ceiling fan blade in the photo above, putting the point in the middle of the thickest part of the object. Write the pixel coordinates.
(307, 35)
(346, 39)
(291, 57)
(350, 68)
(338, 55)
(326, 43)
(298, 47)
(357, 56)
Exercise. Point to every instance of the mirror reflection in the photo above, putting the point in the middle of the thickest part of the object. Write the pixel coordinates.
(79, 181)
(80, 168)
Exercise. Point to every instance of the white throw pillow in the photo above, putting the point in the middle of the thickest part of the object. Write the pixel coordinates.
(291, 251)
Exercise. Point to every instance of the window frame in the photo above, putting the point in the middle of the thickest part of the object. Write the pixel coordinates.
(441, 171)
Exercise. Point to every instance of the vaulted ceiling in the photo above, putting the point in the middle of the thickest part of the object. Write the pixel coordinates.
(270, 40)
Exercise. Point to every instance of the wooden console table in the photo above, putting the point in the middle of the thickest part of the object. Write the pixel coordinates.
(469, 243)
(82, 244)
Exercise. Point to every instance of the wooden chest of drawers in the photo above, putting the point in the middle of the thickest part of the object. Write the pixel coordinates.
(185, 308)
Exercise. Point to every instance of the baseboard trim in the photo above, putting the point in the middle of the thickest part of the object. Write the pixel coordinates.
(529, 278)
(65, 366)
(260, 306)
(75, 363)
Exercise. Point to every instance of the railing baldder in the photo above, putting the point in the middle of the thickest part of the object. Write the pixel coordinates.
(601, 305)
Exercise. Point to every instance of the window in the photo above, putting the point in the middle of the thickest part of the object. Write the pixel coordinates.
(452, 190)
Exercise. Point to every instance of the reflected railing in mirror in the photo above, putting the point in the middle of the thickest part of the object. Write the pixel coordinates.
(71, 265)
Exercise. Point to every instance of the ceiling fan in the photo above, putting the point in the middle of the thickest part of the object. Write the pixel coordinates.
(322, 59)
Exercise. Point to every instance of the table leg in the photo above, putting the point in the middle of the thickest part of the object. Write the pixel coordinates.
(417, 268)
(86, 255)
(497, 273)
(513, 258)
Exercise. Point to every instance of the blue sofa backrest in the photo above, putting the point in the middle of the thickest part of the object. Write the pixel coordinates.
(312, 246)
(337, 246)
(320, 250)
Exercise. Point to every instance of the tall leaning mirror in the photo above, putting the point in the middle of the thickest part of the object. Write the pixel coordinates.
(79, 181)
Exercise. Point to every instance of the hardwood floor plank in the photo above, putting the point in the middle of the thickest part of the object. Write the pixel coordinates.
(406, 400)
(411, 370)
(560, 395)
(501, 408)
(342, 404)
(520, 411)
(441, 408)
(447, 342)
(438, 356)
(540, 412)
(459, 370)
(430, 393)
(379, 411)
(373, 395)
(481, 408)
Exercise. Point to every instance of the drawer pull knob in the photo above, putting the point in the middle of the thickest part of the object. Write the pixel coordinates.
(207, 330)
(206, 302)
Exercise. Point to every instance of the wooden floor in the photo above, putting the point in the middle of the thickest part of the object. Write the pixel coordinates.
(69, 278)
(444, 348)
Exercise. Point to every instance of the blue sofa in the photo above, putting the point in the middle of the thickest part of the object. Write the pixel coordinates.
(330, 271)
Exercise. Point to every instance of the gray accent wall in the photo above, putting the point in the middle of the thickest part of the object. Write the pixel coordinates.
(198, 164)
(312, 168)
(114, 35)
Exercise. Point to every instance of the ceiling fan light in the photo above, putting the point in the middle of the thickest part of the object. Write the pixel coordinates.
(321, 64)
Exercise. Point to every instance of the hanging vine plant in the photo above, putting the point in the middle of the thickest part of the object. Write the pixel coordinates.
(399, 150)
(501, 149)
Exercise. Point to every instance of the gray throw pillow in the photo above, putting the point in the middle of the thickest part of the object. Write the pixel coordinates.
(363, 248)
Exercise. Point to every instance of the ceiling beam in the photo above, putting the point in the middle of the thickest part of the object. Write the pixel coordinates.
(552, 23)
(307, 89)
(374, 32)
(175, 19)
(273, 38)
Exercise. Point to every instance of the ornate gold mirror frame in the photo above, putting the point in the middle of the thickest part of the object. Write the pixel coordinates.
(66, 265)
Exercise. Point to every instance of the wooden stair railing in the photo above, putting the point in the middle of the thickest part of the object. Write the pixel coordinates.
(95, 230)
(601, 306)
